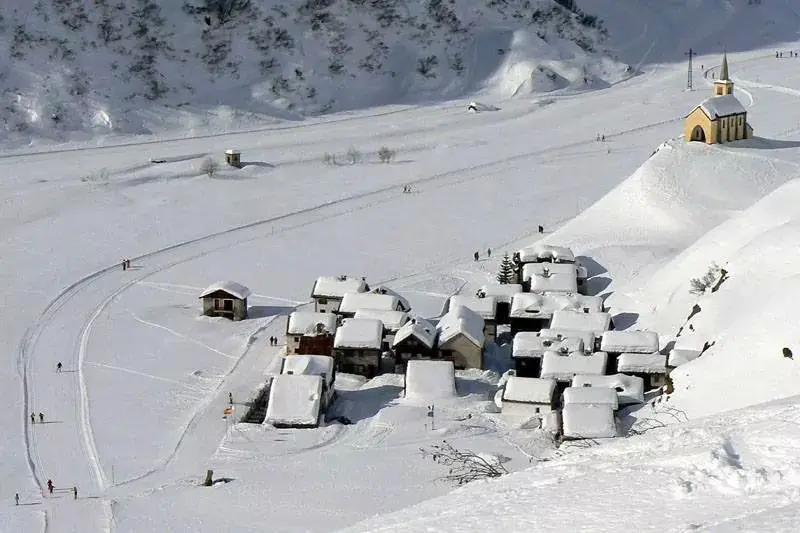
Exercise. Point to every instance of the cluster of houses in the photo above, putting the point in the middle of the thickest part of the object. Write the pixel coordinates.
(572, 370)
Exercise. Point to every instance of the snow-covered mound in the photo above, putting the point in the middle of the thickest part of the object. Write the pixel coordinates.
(748, 320)
(732, 473)
(137, 67)
(682, 191)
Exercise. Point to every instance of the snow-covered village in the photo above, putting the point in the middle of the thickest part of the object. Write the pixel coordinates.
(361, 267)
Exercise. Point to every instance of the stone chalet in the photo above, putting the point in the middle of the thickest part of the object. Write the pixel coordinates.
(358, 346)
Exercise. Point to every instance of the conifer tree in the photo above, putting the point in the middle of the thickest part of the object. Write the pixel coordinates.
(506, 273)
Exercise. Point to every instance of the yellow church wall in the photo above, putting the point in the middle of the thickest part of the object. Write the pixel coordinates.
(698, 118)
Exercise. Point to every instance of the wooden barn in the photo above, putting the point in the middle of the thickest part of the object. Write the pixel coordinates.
(227, 299)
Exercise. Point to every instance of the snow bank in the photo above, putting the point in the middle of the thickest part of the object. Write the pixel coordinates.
(588, 421)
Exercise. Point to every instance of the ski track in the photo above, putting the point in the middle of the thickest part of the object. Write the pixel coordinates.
(29, 340)
(182, 336)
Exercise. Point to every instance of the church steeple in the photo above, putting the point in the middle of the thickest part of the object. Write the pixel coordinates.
(723, 71)
(723, 85)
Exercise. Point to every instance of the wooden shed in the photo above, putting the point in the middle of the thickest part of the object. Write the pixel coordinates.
(227, 299)
(233, 158)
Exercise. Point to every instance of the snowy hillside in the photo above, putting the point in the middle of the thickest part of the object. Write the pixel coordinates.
(149, 65)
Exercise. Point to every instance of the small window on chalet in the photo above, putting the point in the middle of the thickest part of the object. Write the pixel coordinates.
(741, 119)
(537, 410)
(322, 300)
(723, 122)
(297, 339)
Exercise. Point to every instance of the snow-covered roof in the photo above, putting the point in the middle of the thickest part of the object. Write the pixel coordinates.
(419, 328)
(529, 390)
(294, 400)
(630, 389)
(364, 333)
(382, 289)
(565, 367)
(630, 341)
(485, 307)
(336, 286)
(552, 277)
(546, 252)
(237, 290)
(353, 301)
(597, 323)
(560, 333)
(310, 324)
(588, 421)
(309, 365)
(430, 380)
(502, 293)
(681, 356)
(535, 305)
(530, 344)
(645, 363)
(461, 321)
(722, 106)
(591, 395)
(392, 320)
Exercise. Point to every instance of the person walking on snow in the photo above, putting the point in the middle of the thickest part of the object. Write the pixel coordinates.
(230, 398)
(75, 493)
(476, 255)
(50, 486)
(128, 263)
(33, 418)
(124, 265)
(16, 498)
(58, 367)
(41, 418)
(489, 252)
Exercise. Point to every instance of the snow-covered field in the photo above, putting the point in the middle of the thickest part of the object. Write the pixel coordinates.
(136, 417)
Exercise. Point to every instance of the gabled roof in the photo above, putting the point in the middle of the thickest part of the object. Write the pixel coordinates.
(644, 363)
(629, 341)
(630, 389)
(294, 400)
(237, 290)
(310, 324)
(591, 395)
(721, 106)
(309, 365)
(597, 323)
(353, 301)
(382, 289)
(359, 333)
(336, 287)
(461, 321)
(531, 344)
(565, 367)
(529, 390)
(588, 421)
(420, 329)
(485, 307)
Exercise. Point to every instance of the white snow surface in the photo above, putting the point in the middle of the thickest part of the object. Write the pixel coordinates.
(366, 333)
(591, 395)
(630, 389)
(546, 252)
(647, 363)
(336, 287)
(353, 301)
(587, 337)
(420, 329)
(529, 390)
(629, 341)
(644, 214)
(294, 400)
(430, 380)
(564, 367)
(485, 307)
(501, 292)
(231, 287)
(306, 323)
(588, 421)
(597, 323)
(538, 305)
(392, 320)
(461, 321)
(531, 344)
(309, 365)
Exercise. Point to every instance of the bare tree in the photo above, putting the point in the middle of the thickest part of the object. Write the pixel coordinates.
(209, 167)
(329, 159)
(385, 155)
(354, 156)
(463, 465)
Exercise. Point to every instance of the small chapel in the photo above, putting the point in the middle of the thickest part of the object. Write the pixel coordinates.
(721, 118)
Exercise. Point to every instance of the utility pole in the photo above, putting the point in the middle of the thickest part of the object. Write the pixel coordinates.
(691, 54)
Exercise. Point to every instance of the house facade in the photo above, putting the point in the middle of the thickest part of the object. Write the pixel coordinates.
(310, 332)
(460, 334)
(415, 340)
(721, 118)
(357, 347)
(328, 291)
(226, 299)
(528, 397)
